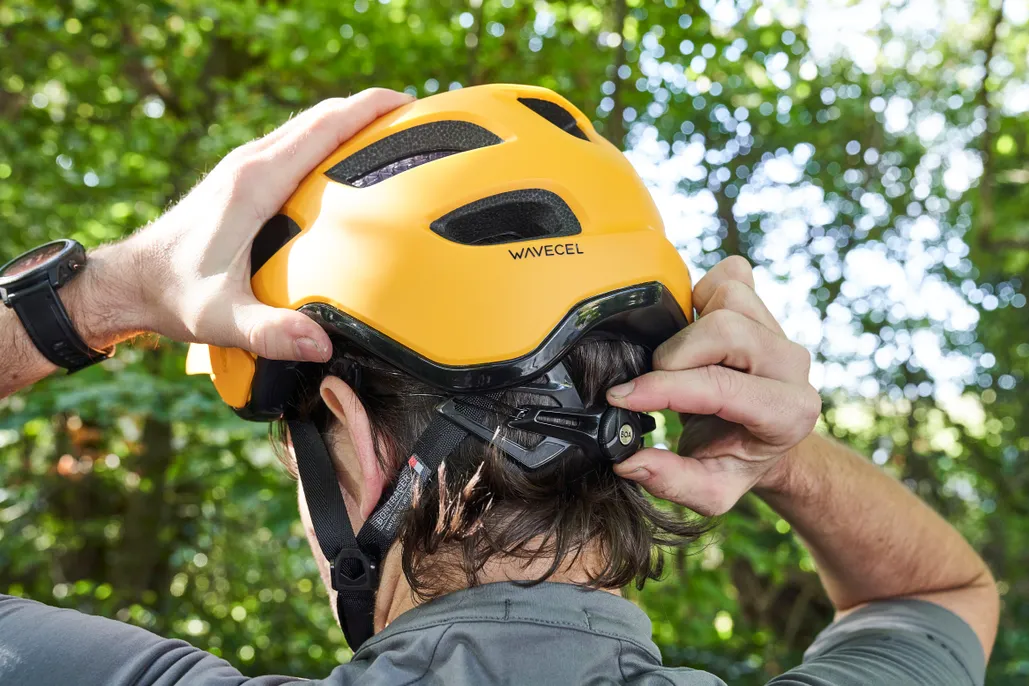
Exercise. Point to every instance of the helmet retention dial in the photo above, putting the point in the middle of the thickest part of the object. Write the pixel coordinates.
(605, 433)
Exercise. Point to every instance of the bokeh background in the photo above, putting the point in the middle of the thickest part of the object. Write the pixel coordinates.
(870, 157)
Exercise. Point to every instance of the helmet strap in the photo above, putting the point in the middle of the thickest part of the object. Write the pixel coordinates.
(355, 560)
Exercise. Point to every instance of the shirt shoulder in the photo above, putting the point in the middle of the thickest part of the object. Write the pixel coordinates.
(894, 643)
(639, 669)
(45, 645)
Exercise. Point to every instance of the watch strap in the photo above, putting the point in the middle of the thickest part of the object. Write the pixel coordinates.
(48, 325)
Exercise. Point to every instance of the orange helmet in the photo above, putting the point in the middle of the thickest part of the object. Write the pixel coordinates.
(470, 239)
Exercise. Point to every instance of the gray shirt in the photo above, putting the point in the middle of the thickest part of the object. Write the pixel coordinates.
(495, 634)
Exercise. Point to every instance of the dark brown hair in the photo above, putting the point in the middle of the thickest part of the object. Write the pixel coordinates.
(486, 506)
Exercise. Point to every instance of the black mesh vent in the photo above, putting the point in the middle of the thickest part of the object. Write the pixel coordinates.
(509, 217)
(276, 232)
(555, 114)
(408, 149)
(402, 165)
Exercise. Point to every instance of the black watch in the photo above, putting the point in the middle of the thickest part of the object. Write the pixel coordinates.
(29, 284)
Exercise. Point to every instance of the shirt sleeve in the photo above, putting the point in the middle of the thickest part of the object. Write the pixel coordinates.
(44, 645)
(895, 643)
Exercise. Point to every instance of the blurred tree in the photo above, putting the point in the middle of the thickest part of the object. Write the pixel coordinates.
(886, 184)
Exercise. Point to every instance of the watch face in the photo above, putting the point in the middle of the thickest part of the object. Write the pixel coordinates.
(30, 260)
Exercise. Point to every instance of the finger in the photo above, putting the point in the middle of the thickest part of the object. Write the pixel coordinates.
(278, 334)
(704, 486)
(775, 412)
(729, 338)
(314, 135)
(734, 268)
(296, 124)
(305, 118)
(739, 297)
(269, 169)
(295, 119)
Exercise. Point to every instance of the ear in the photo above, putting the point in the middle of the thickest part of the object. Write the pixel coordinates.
(354, 457)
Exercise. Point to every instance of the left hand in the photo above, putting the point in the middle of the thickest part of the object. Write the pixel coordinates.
(742, 387)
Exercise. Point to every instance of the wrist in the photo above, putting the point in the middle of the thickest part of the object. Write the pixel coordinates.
(106, 302)
(781, 480)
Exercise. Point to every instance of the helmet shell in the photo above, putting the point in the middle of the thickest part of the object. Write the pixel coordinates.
(376, 254)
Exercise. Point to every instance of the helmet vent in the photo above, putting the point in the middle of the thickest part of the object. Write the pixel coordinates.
(555, 114)
(401, 165)
(522, 215)
(408, 149)
(276, 233)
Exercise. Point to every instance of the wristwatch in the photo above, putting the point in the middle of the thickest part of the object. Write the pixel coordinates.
(29, 285)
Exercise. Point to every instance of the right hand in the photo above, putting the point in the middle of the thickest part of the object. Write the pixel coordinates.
(193, 263)
(742, 389)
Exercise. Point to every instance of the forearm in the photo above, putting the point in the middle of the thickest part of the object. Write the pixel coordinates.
(873, 539)
(187, 276)
(103, 303)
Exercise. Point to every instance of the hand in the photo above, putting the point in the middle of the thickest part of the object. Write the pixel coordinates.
(195, 260)
(742, 387)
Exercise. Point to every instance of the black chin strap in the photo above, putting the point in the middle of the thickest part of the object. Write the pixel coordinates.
(355, 560)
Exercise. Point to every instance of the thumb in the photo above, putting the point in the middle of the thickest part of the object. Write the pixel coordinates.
(701, 485)
(279, 334)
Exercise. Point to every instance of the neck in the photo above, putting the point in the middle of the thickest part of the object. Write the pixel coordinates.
(395, 595)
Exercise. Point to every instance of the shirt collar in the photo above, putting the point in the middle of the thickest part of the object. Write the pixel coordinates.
(550, 603)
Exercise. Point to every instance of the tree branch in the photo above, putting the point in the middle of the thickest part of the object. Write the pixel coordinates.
(615, 126)
(1008, 243)
(809, 590)
(724, 203)
(11, 104)
(987, 215)
(144, 78)
(472, 73)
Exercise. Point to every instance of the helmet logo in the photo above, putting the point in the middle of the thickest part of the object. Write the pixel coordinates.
(546, 251)
(626, 434)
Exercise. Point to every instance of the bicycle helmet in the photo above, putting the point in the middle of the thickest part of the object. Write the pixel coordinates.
(469, 239)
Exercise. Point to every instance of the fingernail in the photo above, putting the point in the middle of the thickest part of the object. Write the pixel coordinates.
(621, 390)
(308, 350)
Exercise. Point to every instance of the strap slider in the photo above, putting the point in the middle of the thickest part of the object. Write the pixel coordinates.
(352, 570)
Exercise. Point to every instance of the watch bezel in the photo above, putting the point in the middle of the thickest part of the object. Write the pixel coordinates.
(56, 271)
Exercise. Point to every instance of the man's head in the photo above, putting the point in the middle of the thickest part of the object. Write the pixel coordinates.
(485, 510)
(462, 247)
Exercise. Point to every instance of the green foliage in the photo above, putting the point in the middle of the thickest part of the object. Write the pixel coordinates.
(131, 492)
